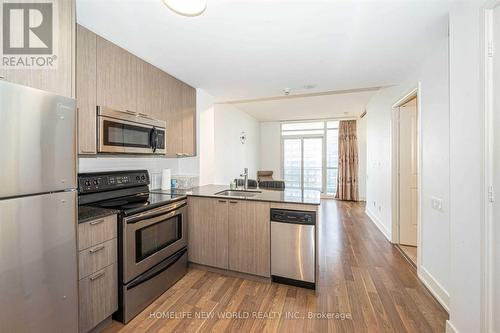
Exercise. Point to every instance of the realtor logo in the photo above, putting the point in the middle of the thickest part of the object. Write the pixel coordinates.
(28, 34)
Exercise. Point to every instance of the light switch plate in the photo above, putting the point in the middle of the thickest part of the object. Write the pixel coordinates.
(437, 203)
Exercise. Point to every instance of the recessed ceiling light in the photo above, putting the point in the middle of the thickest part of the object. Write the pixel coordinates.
(186, 7)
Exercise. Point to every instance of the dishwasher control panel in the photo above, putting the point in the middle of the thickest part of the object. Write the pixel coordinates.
(293, 216)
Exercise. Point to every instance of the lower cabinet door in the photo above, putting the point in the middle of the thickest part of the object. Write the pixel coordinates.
(207, 241)
(98, 297)
(249, 237)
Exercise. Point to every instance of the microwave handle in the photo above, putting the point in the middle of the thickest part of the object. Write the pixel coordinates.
(154, 139)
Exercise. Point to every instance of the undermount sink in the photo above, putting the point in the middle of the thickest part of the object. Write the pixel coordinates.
(238, 193)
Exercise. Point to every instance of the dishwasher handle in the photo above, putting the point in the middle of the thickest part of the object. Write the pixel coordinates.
(293, 216)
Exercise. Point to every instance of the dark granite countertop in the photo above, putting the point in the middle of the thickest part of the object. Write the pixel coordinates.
(89, 213)
(286, 196)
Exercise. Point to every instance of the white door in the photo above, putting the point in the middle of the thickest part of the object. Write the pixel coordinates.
(408, 174)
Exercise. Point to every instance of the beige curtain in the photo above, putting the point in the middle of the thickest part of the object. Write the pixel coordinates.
(347, 180)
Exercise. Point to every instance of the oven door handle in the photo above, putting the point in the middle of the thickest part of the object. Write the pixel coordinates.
(157, 270)
(165, 212)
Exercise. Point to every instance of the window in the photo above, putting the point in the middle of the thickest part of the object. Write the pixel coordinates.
(310, 156)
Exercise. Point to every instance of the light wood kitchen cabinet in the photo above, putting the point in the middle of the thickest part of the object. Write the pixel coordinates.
(86, 92)
(230, 234)
(188, 120)
(172, 113)
(148, 89)
(111, 77)
(59, 79)
(208, 231)
(116, 77)
(97, 265)
(249, 237)
(98, 297)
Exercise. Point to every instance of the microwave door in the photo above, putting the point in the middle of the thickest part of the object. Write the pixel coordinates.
(118, 136)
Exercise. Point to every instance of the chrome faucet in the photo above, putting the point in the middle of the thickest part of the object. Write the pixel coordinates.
(245, 179)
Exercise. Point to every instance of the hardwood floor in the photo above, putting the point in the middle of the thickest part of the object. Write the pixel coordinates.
(364, 285)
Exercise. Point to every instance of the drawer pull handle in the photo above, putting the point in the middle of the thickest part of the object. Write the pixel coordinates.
(98, 275)
(96, 222)
(233, 202)
(222, 201)
(97, 248)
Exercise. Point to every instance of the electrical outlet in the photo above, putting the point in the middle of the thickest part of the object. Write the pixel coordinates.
(437, 203)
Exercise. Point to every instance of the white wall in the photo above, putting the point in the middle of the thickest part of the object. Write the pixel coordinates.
(361, 127)
(434, 118)
(465, 171)
(231, 156)
(270, 147)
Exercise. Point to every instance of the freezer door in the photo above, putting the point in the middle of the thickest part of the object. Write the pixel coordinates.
(37, 141)
(38, 264)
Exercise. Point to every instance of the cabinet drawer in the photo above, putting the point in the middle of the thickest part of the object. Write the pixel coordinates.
(96, 257)
(98, 297)
(97, 231)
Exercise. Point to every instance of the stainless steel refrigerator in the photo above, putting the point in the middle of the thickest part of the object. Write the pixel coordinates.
(38, 263)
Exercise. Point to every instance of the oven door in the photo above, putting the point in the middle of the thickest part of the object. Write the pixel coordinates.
(123, 136)
(152, 236)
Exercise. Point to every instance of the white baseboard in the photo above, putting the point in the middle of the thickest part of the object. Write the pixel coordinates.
(379, 224)
(435, 288)
(450, 328)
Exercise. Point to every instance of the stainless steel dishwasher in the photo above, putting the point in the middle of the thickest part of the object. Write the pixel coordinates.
(293, 244)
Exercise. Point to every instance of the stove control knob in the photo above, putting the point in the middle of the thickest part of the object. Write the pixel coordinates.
(143, 177)
(87, 183)
(96, 182)
(138, 177)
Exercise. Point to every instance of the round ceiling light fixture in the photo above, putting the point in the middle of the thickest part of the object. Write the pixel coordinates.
(186, 7)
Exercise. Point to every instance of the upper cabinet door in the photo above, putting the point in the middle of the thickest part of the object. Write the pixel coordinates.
(116, 77)
(188, 120)
(171, 97)
(148, 90)
(86, 93)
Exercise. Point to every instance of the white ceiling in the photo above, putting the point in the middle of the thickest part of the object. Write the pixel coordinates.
(336, 105)
(239, 49)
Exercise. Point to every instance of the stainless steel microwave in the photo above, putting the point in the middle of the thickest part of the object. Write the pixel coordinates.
(129, 133)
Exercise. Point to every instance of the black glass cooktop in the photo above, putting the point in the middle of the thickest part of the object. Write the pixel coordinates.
(136, 203)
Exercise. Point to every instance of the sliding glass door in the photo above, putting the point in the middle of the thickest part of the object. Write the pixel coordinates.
(303, 163)
(310, 156)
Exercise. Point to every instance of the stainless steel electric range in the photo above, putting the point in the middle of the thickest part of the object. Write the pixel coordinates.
(152, 235)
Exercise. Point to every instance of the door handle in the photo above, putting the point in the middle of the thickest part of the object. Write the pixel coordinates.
(97, 248)
(143, 115)
(96, 222)
(97, 276)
